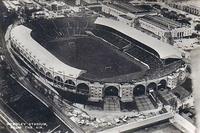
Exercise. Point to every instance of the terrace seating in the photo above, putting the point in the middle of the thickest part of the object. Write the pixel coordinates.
(127, 45)
(143, 103)
(58, 28)
(144, 56)
(113, 38)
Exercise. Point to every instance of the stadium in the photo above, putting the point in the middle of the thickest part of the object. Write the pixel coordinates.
(101, 61)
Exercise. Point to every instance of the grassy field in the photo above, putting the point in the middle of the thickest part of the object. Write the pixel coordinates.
(93, 55)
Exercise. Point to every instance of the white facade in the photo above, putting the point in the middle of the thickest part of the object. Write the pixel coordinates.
(152, 28)
(112, 11)
(159, 31)
(191, 7)
(172, 80)
(181, 32)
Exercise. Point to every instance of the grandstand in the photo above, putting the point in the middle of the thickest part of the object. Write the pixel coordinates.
(58, 28)
(96, 59)
(130, 47)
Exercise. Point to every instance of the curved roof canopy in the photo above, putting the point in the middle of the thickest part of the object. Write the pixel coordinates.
(163, 49)
(24, 40)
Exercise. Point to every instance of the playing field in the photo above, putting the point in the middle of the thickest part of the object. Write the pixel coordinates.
(95, 56)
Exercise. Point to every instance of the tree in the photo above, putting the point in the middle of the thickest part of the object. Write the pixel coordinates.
(197, 27)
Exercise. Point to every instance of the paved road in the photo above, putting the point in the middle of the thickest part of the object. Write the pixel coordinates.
(139, 123)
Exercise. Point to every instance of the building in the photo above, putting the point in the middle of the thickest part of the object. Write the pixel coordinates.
(57, 6)
(164, 27)
(192, 7)
(40, 14)
(12, 5)
(126, 19)
(172, 80)
(126, 12)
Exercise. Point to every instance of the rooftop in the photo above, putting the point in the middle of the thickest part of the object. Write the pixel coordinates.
(128, 8)
(117, 8)
(162, 22)
(131, 8)
(40, 54)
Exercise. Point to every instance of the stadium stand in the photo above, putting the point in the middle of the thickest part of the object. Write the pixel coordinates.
(59, 28)
(130, 46)
(47, 31)
(117, 41)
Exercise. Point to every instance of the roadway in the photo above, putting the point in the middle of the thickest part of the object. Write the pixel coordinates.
(27, 85)
(139, 123)
(182, 124)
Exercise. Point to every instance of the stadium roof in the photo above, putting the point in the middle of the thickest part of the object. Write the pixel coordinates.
(163, 49)
(23, 36)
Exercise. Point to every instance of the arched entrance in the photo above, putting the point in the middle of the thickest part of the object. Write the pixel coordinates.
(83, 88)
(49, 77)
(111, 91)
(152, 87)
(58, 81)
(162, 84)
(139, 90)
(42, 71)
(69, 84)
(111, 99)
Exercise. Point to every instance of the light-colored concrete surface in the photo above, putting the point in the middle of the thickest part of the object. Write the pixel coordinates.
(139, 123)
(182, 124)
